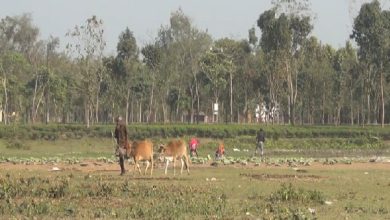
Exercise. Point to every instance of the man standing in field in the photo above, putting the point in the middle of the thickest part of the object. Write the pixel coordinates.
(121, 140)
(260, 140)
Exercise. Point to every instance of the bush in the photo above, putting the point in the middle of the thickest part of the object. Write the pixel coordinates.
(216, 131)
(17, 144)
(289, 193)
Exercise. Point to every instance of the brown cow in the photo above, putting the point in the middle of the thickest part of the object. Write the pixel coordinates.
(175, 149)
(141, 151)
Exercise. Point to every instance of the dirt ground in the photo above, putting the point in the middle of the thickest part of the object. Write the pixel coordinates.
(94, 166)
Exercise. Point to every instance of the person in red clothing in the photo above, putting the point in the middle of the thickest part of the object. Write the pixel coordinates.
(220, 151)
(193, 147)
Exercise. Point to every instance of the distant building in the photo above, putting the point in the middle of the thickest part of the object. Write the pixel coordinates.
(201, 117)
(267, 114)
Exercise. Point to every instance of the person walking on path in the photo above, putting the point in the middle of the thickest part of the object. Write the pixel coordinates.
(121, 141)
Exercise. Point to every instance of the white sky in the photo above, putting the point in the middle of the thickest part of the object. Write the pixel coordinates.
(222, 18)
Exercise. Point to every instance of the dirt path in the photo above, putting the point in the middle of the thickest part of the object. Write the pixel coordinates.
(94, 166)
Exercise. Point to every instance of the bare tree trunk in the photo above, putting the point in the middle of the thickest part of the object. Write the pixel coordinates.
(97, 107)
(6, 100)
(382, 101)
(292, 94)
(33, 100)
(86, 113)
(164, 112)
(198, 104)
(4, 83)
(112, 112)
(231, 97)
(47, 104)
(338, 115)
(358, 115)
(177, 106)
(323, 107)
(132, 116)
(368, 110)
(351, 106)
(35, 113)
(362, 110)
(150, 103)
(127, 106)
(192, 111)
(140, 111)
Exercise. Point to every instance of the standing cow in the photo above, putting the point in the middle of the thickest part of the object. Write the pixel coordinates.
(175, 149)
(141, 151)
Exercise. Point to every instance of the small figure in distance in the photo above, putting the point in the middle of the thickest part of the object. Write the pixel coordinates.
(122, 142)
(260, 140)
(193, 147)
(220, 153)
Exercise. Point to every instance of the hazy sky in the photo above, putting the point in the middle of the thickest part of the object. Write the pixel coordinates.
(222, 18)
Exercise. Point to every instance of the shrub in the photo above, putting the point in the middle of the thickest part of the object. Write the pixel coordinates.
(17, 144)
(289, 193)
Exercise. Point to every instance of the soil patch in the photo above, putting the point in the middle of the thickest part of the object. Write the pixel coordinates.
(267, 176)
(94, 166)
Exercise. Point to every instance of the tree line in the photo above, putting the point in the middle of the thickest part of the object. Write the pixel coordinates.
(183, 72)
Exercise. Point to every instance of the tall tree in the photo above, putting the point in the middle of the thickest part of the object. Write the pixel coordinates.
(282, 36)
(13, 67)
(190, 43)
(18, 33)
(234, 55)
(127, 59)
(88, 47)
(216, 65)
(371, 31)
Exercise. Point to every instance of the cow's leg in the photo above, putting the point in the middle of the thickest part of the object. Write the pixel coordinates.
(187, 163)
(174, 165)
(182, 165)
(151, 169)
(166, 166)
(139, 169)
(136, 165)
(147, 166)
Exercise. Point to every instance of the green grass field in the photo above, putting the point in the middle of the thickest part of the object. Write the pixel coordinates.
(224, 192)
(293, 183)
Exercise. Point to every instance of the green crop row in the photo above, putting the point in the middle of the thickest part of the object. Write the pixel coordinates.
(216, 131)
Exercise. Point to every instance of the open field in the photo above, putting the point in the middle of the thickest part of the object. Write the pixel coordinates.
(94, 189)
(306, 177)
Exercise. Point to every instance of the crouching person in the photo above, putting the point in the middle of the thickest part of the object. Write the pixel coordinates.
(194, 147)
(220, 151)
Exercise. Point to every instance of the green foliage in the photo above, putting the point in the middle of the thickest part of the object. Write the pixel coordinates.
(234, 136)
(17, 145)
(69, 194)
(288, 193)
(178, 202)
